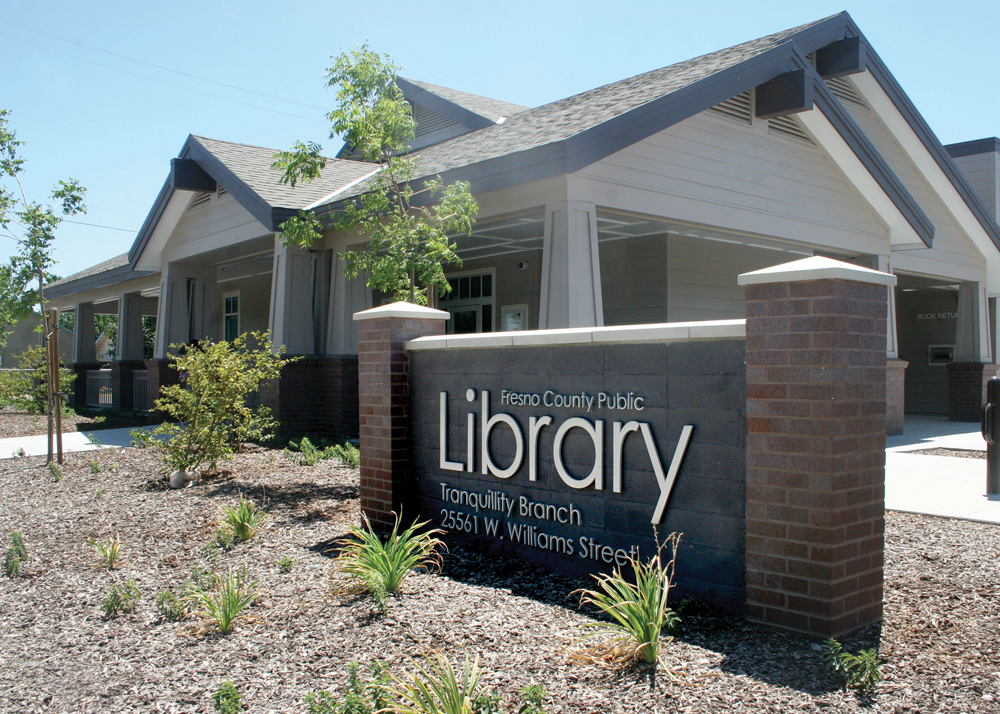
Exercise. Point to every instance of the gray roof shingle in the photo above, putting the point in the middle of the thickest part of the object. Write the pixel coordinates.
(492, 109)
(252, 166)
(565, 118)
(110, 264)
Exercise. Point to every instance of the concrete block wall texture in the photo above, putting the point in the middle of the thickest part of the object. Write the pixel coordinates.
(383, 398)
(895, 393)
(967, 389)
(816, 419)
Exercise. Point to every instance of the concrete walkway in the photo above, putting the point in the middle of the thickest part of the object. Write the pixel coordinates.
(72, 441)
(947, 486)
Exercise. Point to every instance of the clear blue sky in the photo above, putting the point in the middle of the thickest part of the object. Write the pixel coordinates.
(114, 123)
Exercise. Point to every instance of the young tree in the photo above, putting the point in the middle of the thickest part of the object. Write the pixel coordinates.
(409, 241)
(31, 226)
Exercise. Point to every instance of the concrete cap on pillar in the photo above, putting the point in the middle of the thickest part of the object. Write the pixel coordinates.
(405, 310)
(816, 268)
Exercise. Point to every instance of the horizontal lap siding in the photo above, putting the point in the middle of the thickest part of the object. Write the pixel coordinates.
(717, 161)
(633, 280)
(512, 285)
(981, 172)
(255, 301)
(213, 219)
(950, 242)
(702, 277)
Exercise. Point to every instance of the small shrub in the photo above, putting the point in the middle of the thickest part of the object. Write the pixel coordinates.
(225, 540)
(212, 403)
(305, 453)
(99, 494)
(437, 687)
(108, 553)
(638, 611)
(368, 697)
(860, 671)
(203, 579)
(381, 568)
(227, 700)
(123, 597)
(142, 438)
(16, 555)
(94, 440)
(224, 604)
(532, 698)
(26, 388)
(95, 468)
(19, 452)
(243, 519)
(54, 470)
(170, 607)
(285, 564)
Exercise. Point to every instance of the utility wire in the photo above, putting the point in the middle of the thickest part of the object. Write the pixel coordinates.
(156, 66)
(95, 225)
(160, 81)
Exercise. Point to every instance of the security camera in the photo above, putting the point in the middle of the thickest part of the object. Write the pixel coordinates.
(523, 265)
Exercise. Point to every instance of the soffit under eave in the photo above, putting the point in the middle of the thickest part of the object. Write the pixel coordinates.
(166, 224)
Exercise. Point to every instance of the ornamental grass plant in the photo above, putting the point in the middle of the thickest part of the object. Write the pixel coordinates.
(436, 688)
(638, 610)
(243, 519)
(381, 567)
(223, 605)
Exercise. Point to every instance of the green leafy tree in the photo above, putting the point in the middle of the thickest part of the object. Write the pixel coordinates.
(27, 388)
(409, 239)
(212, 403)
(31, 226)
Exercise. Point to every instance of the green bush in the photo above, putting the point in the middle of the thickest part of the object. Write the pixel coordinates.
(305, 453)
(26, 388)
(860, 671)
(212, 405)
(16, 555)
(381, 567)
(285, 564)
(141, 438)
(123, 597)
(638, 610)
(227, 700)
(170, 607)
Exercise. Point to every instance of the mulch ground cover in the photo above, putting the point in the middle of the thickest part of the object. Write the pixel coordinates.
(939, 640)
(14, 422)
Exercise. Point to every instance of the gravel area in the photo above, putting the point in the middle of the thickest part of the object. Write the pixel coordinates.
(57, 654)
(960, 453)
(15, 423)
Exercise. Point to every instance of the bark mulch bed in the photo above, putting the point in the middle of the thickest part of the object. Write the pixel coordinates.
(939, 640)
(15, 423)
(959, 453)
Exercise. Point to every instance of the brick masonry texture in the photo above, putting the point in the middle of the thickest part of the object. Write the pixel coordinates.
(895, 385)
(121, 383)
(383, 398)
(160, 373)
(80, 383)
(967, 389)
(316, 395)
(816, 421)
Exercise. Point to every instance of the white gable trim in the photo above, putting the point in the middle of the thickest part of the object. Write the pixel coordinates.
(149, 259)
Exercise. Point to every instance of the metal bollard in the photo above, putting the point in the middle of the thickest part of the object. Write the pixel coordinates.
(990, 428)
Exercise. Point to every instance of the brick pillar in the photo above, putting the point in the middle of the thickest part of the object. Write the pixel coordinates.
(80, 383)
(895, 395)
(816, 396)
(121, 383)
(967, 389)
(384, 402)
(159, 373)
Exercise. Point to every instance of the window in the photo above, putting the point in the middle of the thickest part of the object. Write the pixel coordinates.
(470, 303)
(231, 315)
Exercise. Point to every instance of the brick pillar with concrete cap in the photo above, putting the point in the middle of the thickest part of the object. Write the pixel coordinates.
(383, 396)
(816, 416)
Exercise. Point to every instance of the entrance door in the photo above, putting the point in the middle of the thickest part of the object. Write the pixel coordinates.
(470, 303)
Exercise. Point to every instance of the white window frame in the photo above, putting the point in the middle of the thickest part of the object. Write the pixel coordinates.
(468, 302)
(510, 310)
(239, 310)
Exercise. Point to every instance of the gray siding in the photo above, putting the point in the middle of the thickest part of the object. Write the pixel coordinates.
(513, 286)
(634, 280)
(981, 172)
(255, 301)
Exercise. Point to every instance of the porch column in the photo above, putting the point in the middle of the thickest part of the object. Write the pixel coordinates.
(895, 382)
(972, 367)
(129, 342)
(292, 300)
(571, 268)
(346, 298)
(84, 337)
(172, 312)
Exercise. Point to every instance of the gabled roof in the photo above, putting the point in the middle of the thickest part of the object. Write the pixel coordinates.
(569, 134)
(245, 172)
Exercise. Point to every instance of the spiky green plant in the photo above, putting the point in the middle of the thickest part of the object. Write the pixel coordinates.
(108, 552)
(243, 519)
(638, 610)
(359, 697)
(16, 555)
(224, 604)
(860, 671)
(285, 564)
(121, 597)
(436, 688)
(170, 607)
(54, 470)
(382, 567)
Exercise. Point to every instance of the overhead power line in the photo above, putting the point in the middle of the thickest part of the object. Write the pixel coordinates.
(95, 225)
(160, 81)
(156, 66)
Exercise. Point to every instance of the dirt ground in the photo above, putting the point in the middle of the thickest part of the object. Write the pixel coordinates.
(939, 640)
